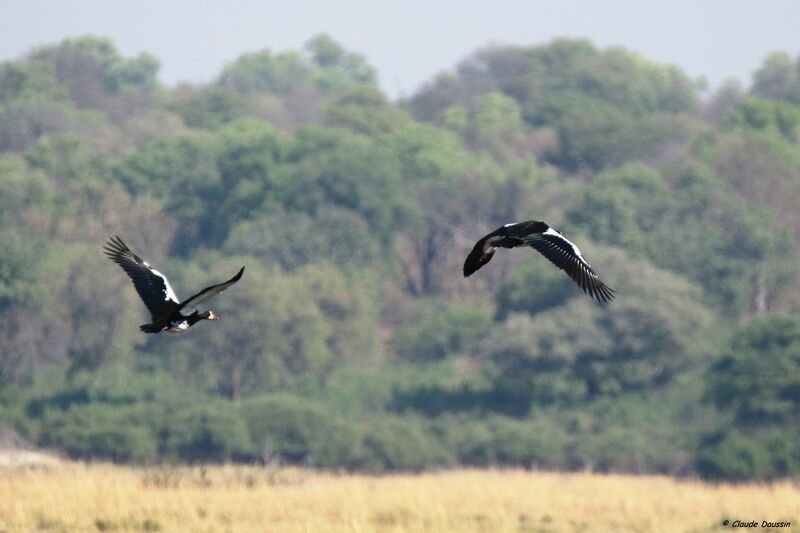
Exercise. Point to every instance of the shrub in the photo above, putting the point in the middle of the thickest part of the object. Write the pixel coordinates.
(401, 444)
(99, 431)
(299, 431)
(214, 432)
(732, 457)
(442, 331)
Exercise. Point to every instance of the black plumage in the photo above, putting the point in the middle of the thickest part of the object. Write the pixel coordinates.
(550, 243)
(157, 294)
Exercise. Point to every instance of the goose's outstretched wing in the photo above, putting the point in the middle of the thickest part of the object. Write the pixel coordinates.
(153, 287)
(211, 291)
(508, 236)
(479, 256)
(566, 256)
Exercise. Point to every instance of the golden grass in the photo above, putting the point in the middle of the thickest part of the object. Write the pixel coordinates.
(102, 497)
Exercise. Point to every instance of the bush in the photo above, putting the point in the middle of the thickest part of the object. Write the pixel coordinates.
(732, 457)
(401, 444)
(759, 379)
(501, 440)
(534, 286)
(299, 431)
(99, 431)
(213, 432)
(441, 331)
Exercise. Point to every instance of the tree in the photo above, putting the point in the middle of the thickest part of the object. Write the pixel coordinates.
(607, 106)
(24, 193)
(440, 331)
(365, 110)
(22, 295)
(98, 77)
(282, 328)
(298, 431)
(293, 239)
(208, 107)
(756, 388)
(331, 56)
(724, 248)
(758, 381)
(335, 168)
(758, 114)
(778, 78)
(328, 69)
(582, 351)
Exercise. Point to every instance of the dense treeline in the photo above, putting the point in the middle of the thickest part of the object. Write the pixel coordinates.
(353, 341)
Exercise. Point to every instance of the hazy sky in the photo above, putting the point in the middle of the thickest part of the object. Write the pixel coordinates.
(409, 41)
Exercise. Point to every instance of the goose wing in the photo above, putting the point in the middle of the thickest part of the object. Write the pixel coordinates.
(153, 287)
(480, 255)
(566, 256)
(211, 291)
(507, 236)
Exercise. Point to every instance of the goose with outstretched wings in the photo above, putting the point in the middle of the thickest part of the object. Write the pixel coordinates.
(547, 241)
(157, 294)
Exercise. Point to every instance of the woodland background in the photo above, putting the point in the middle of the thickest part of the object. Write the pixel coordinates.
(353, 341)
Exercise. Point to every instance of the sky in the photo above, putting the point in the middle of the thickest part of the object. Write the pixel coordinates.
(410, 41)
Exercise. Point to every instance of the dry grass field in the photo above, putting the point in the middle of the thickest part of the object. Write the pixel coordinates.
(100, 497)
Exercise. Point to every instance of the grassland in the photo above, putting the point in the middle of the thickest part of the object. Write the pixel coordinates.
(102, 497)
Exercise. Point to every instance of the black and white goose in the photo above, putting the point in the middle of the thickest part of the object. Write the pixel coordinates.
(157, 294)
(550, 243)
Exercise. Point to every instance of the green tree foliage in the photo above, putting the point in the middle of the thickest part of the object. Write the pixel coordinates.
(21, 297)
(441, 331)
(20, 80)
(98, 77)
(401, 444)
(534, 286)
(208, 108)
(606, 106)
(495, 124)
(96, 431)
(726, 249)
(327, 69)
(759, 114)
(778, 78)
(353, 340)
(759, 380)
(329, 55)
(207, 433)
(732, 457)
(365, 110)
(294, 239)
(347, 171)
(580, 351)
(23, 192)
(286, 428)
(757, 154)
(85, 61)
(756, 387)
(283, 327)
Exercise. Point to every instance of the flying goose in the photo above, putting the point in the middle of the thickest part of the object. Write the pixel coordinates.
(550, 243)
(157, 294)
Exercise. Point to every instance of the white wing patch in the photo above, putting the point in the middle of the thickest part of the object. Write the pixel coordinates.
(169, 294)
(177, 327)
(554, 233)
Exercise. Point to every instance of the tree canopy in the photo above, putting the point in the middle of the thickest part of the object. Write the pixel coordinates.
(353, 340)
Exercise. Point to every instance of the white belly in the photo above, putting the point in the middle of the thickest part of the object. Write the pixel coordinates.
(177, 327)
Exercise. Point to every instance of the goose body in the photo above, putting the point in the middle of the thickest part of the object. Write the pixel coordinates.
(155, 291)
(547, 241)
